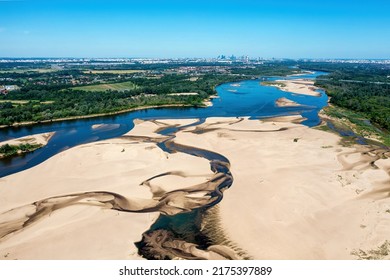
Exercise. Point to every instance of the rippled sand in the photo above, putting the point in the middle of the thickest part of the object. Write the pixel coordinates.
(297, 194)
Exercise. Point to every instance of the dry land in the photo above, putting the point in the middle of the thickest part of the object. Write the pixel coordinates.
(105, 87)
(298, 86)
(113, 71)
(297, 193)
(284, 102)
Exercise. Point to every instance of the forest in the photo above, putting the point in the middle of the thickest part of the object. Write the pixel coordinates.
(49, 95)
(364, 89)
(51, 102)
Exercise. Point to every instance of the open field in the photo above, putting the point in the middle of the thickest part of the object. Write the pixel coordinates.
(21, 71)
(113, 71)
(105, 87)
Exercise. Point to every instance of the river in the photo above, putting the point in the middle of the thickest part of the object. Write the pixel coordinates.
(242, 99)
(177, 233)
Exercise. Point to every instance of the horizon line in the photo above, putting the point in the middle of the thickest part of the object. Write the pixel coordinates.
(189, 57)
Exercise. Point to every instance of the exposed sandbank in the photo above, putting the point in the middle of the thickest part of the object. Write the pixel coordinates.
(284, 102)
(298, 86)
(36, 139)
(297, 193)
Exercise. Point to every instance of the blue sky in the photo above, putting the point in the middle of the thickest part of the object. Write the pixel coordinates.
(173, 28)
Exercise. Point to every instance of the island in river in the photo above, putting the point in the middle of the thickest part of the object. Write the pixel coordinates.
(289, 192)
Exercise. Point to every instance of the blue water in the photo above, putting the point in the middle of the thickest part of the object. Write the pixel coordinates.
(250, 99)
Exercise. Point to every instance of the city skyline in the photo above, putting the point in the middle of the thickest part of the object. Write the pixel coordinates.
(172, 29)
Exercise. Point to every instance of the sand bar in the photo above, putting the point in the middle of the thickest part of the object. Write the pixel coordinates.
(89, 228)
(284, 102)
(297, 193)
(298, 86)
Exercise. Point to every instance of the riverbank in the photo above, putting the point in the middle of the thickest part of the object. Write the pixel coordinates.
(297, 192)
(297, 86)
(23, 145)
(79, 183)
(97, 115)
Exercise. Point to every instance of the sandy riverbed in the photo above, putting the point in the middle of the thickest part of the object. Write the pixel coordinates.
(297, 193)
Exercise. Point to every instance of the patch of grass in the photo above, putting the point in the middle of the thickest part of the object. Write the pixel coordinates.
(374, 254)
(106, 87)
(347, 141)
(323, 128)
(358, 123)
(12, 150)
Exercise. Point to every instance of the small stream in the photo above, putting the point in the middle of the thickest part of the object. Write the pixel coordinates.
(185, 227)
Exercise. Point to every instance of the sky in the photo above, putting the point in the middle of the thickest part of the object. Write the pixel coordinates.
(177, 29)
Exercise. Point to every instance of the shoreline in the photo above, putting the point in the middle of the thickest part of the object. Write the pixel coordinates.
(37, 140)
(304, 196)
(206, 103)
(94, 115)
(306, 186)
(297, 86)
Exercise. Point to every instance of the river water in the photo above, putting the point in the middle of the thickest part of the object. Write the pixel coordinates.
(172, 235)
(249, 99)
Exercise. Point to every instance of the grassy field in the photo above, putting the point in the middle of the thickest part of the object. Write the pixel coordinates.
(105, 87)
(21, 71)
(112, 71)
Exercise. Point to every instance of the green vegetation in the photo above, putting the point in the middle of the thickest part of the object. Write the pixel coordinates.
(70, 102)
(27, 70)
(358, 123)
(272, 83)
(375, 254)
(12, 150)
(112, 71)
(126, 86)
(362, 88)
(372, 100)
